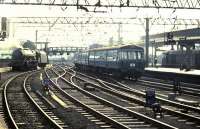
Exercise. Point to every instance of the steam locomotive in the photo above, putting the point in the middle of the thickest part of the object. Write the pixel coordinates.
(27, 59)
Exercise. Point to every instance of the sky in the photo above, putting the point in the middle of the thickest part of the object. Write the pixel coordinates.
(84, 35)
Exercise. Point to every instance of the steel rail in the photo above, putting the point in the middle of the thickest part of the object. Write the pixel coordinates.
(184, 89)
(96, 113)
(12, 122)
(137, 100)
(5, 101)
(128, 89)
(52, 122)
(118, 107)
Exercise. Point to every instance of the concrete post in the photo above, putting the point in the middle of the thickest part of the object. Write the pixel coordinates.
(119, 33)
(36, 35)
(147, 43)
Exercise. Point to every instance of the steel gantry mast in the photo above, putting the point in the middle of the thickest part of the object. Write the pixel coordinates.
(108, 5)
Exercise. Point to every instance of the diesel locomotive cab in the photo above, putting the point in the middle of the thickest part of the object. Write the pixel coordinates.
(132, 62)
(119, 61)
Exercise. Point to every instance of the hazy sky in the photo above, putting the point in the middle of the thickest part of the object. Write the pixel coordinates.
(83, 35)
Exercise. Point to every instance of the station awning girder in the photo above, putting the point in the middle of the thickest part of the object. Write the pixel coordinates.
(85, 4)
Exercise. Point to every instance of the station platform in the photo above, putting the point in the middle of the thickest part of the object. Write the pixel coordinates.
(174, 70)
(192, 76)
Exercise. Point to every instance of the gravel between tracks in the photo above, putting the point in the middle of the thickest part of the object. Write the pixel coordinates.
(69, 115)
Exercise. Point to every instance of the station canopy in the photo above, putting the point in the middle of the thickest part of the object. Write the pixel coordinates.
(84, 22)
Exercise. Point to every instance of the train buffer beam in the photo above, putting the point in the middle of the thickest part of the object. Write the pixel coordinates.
(87, 86)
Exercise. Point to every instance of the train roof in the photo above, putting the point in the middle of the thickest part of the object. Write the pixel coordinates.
(118, 47)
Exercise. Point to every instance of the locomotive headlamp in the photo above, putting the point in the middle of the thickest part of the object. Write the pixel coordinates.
(132, 65)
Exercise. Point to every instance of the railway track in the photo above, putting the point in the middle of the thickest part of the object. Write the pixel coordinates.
(161, 97)
(23, 112)
(87, 118)
(186, 88)
(116, 115)
(4, 79)
(173, 112)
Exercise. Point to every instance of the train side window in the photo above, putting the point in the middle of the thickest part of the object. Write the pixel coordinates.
(86, 56)
(139, 55)
(123, 55)
(132, 55)
(100, 55)
(91, 55)
(120, 55)
(104, 55)
(96, 55)
(83, 57)
(112, 55)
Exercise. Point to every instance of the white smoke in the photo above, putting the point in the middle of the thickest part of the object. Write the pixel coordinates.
(7, 47)
(10, 45)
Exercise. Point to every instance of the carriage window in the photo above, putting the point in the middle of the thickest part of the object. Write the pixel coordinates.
(83, 57)
(96, 55)
(112, 55)
(139, 55)
(86, 56)
(123, 55)
(100, 55)
(91, 55)
(132, 56)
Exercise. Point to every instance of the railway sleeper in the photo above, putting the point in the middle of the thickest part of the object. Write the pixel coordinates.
(140, 126)
(135, 121)
(107, 110)
(109, 113)
(101, 123)
(132, 122)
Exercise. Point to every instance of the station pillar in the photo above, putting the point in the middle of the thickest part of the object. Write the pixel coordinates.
(147, 42)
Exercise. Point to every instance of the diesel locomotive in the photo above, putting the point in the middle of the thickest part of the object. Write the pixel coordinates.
(120, 61)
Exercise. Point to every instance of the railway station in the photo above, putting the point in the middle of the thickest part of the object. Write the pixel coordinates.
(100, 64)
